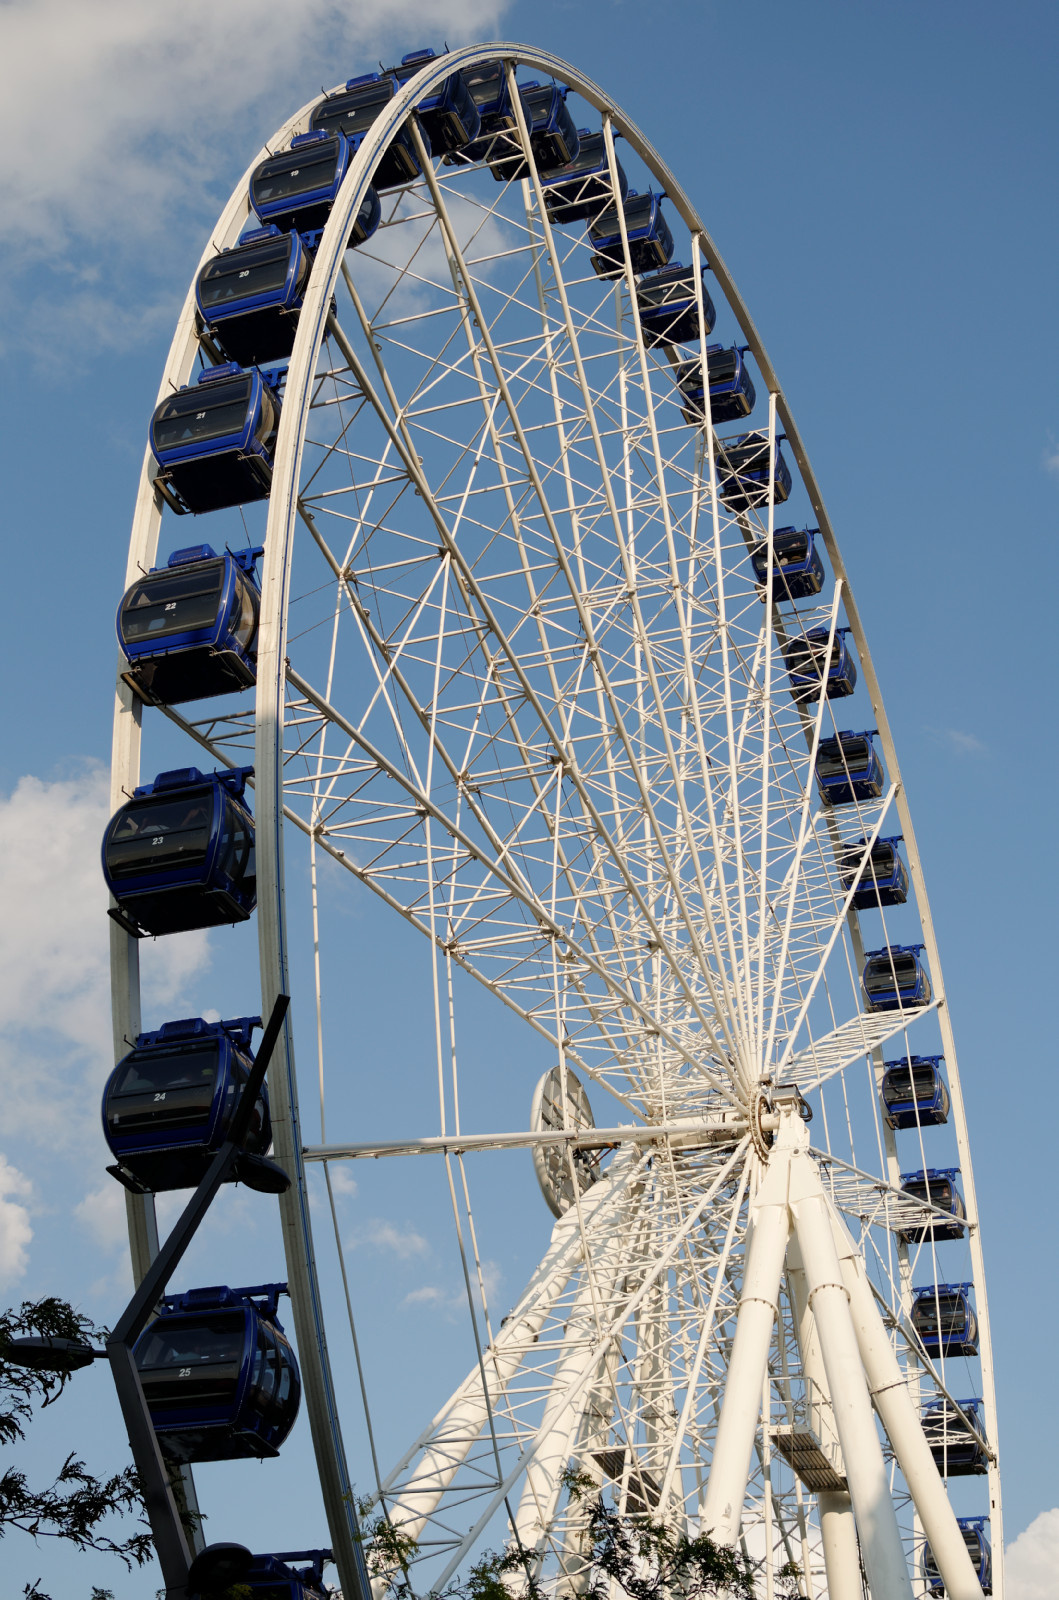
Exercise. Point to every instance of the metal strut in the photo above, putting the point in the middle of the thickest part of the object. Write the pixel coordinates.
(850, 1365)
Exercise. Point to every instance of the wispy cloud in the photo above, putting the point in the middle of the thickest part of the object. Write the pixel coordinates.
(15, 1229)
(452, 1301)
(1050, 458)
(1033, 1559)
(967, 744)
(398, 1239)
(124, 125)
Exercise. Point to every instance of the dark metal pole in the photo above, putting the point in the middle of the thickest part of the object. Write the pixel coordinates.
(167, 1531)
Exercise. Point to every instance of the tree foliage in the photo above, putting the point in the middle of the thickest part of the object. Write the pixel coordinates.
(75, 1506)
(641, 1556)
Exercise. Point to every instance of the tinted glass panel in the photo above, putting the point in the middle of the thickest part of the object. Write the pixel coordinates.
(297, 172)
(192, 1342)
(883, 974)
(245, 272)
(353, 113)
(161, 833)
(722, 368)
(235, 842)
(937, 1193)
(172, 602)
(485, 83)
(169, 1091)
(679, 289)
(833, 759)
(202, 413)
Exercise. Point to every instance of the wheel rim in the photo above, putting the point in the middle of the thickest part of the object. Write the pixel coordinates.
(581, 642)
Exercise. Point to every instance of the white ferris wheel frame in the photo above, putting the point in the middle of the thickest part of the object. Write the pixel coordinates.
(273, 671)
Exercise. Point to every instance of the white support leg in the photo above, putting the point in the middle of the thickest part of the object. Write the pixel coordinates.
(837, 1529)
(838, 1535)
(901, 1421)
(880, 1538)
(722, 1508)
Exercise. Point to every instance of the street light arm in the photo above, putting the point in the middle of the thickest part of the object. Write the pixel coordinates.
(138, 1312)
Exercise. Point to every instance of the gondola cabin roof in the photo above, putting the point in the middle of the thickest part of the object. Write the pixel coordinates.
(277, 1577)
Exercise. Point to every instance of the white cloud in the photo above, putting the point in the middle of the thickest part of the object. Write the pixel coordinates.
(403, 1242)
(125, 124)
(55, 1039)
(343, 1182)
(1050, 458)
(104, 1215)
(15, 1229)
(1033, 1560)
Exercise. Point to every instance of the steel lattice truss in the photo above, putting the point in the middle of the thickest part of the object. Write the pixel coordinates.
(536, 702)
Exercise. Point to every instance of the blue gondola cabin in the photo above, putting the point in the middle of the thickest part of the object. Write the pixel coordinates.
(848, 768)
(883, 879)
(895, 979)
(219, 1375)
(578, 190)
(732, 393)
(669, 310)
(448, 114)
(743, 471)
(955, 1433)
(168, 1104)
(214, 442)
(944, 1320)
(188, 630)
(297, 188)
(488, 87)
(797, 569)
(809, 667)
(180, 853)
(935, 1187)
(249, 297)
(283, 1577)
(976, 1539)
(552, 135)
(914, 1094)
(650, 241)
(353, 111)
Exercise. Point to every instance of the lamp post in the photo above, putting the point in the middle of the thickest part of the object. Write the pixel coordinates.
(218, 1565)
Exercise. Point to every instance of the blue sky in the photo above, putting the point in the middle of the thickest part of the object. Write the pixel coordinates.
(880, 179)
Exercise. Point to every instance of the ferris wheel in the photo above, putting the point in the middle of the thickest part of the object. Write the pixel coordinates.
(553, 660)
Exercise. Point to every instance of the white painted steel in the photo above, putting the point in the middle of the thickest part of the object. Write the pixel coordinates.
(712, 935)
(889, 1392)
(841, 1554)
(722, 1509)
(869, 1487)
